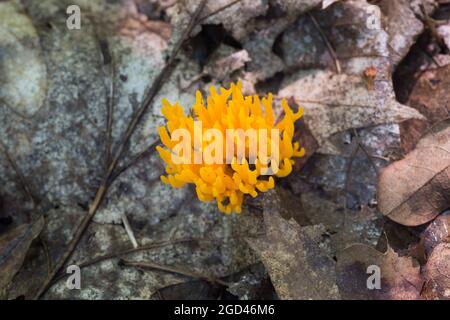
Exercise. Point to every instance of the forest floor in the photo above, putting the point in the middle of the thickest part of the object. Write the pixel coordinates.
(80, 179)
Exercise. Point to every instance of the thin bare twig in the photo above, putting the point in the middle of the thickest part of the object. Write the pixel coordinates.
(47, 254)
(146, 152)
(104, 186)
(129, 230)
(151, 246)
(374, 156)
(324, 103)
(119, 254)
(108, 69)
(431, 24)
(327, 43)
(178, 269)
(363, 148)
(358, 145)
(347, 181)
(110, 115)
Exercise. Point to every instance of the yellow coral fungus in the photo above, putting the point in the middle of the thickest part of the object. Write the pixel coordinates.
(195, 151)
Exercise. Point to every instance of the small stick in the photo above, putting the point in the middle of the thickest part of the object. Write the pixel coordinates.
(147, 151)
(47, 254)
(363, 148)
(431, 24)
(118, 254)
(374, 156)
(327, 43)
(347, 182)
(179, 270)
(109, 74)
(110, 115)
(150, 246)
(128, 229)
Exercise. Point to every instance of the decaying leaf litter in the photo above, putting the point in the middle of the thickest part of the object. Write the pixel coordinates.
(67, 99)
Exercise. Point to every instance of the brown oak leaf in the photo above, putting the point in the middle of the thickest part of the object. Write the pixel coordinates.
(399, 276)
(13, 248)
(298, 266)
(413, 191)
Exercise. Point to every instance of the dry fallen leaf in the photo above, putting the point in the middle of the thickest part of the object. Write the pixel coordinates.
(437, 273)
(61, 148)
(337, 102)
(362, 226)
(400, 276)
(14, 247)
(224, 63)
(430, 98)
(298, 266)
(234, 18)
(415, 190)
(437, 232)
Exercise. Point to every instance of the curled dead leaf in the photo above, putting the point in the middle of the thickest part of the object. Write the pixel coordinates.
(437, 232)
(415, 190)
(399, 276)
(222, 66)
(437, 273)
(14, 247)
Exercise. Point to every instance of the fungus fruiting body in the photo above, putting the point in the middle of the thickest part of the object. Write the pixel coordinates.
(222, 146)
(370, 74)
